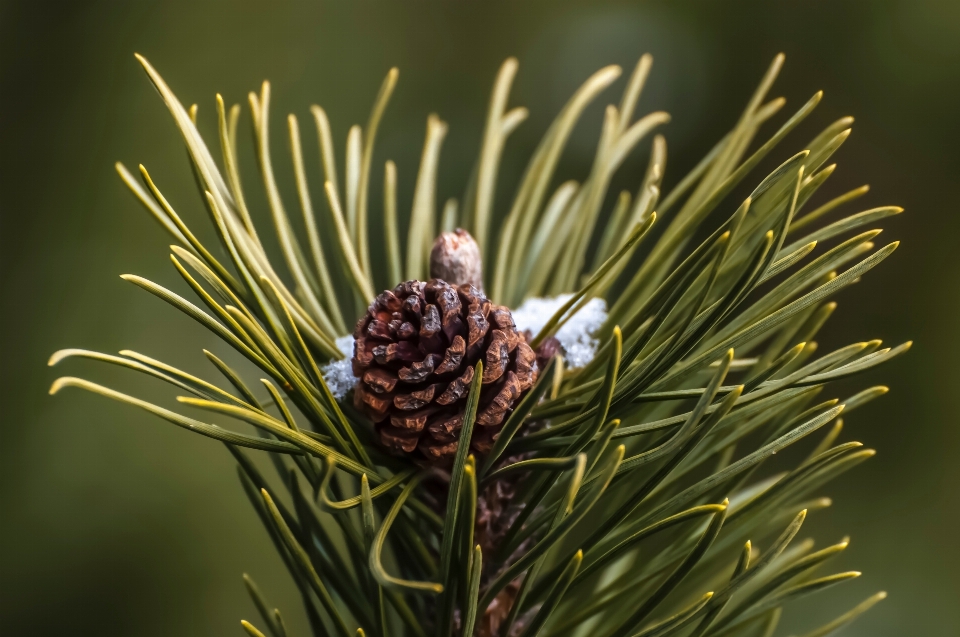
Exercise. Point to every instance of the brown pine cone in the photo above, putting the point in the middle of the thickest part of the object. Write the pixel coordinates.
(414, 355)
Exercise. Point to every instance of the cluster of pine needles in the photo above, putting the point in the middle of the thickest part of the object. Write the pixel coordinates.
(649, 504)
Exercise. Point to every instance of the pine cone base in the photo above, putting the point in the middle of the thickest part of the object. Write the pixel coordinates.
(415, 352)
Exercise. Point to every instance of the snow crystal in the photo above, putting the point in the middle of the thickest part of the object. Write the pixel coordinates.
(576, 335)
(576, 338)
(338, 374)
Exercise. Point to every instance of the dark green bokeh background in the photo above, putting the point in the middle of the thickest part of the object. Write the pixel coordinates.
(115, 523)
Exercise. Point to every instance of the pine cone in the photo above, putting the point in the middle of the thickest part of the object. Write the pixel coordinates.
(415, 351)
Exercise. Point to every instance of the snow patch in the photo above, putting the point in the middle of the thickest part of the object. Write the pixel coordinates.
(338, 374)
(576, 335)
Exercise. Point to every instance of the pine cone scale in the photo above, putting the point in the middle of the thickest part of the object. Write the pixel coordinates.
(415, 422)
(380, 381)
(453, 356)
(457, 389)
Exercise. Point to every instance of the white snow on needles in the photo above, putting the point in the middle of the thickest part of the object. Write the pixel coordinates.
(339, 374)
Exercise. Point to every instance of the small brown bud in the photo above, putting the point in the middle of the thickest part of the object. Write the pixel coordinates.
(455, 258)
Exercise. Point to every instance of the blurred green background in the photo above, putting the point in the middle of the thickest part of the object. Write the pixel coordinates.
(115, 523)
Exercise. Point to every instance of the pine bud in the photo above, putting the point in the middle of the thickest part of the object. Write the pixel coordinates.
(455, 258)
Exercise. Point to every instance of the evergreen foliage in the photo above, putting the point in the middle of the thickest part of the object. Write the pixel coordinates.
(640, 493)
